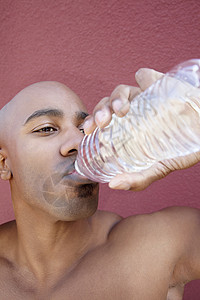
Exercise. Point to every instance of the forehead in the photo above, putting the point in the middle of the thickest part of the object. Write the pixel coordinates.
(45, 95)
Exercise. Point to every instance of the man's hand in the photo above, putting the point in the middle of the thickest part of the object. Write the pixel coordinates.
(118, 103)
(119, 100)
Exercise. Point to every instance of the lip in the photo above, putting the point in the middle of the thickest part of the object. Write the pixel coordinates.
(77, 178)
(72, 175)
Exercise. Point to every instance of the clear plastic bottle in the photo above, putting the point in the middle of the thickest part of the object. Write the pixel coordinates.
(163, 122)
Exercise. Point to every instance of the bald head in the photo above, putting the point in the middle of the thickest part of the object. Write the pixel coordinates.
(35, 91)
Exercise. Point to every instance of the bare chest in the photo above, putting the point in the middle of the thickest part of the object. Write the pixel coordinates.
(77, 291)
(90, 281)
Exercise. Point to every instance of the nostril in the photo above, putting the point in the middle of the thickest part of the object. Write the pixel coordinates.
(72, 151)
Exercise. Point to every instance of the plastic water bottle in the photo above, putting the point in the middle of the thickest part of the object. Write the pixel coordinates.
(163, 122)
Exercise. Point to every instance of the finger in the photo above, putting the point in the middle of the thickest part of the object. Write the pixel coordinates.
(121, 97)
(118, 103)
(101, 116)
(103, 113)
(146, 77)
(140, 180)
(130, 181)
(89, 125)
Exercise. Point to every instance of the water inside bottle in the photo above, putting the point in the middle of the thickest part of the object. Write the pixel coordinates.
(163, 122)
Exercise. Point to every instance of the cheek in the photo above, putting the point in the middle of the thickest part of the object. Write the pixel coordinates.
(32, 159)
(29, 172)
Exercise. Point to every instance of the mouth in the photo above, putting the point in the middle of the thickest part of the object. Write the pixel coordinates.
(72, 175)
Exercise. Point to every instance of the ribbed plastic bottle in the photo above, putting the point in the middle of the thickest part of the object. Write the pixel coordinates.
(163, 122)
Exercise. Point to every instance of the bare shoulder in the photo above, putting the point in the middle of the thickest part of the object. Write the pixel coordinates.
(169, 237)
(176, 229)
(170, 221)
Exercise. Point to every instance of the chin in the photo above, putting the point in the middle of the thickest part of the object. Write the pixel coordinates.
(83, 204)
(76, 213)
(86, 190)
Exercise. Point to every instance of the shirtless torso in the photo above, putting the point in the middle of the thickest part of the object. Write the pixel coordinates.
(141, 257)
(61, 247)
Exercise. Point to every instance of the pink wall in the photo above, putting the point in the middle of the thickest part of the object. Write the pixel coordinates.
(92, 46)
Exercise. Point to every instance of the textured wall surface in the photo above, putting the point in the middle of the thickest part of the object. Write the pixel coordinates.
(92, 46)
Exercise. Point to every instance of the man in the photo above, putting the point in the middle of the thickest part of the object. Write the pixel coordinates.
(60, 246)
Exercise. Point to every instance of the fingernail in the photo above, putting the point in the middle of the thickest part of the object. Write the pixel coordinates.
(138, 74)
(117, 105)
(117, 183)
(120, 107)
(88, 122)
(88, 125)
(101, 117)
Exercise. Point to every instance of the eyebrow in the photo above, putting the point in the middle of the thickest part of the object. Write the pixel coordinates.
(80, 115)
(45, 112)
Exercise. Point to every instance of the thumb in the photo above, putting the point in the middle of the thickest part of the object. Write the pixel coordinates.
(138, 181)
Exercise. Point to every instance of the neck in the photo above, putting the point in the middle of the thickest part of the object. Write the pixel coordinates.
(48, 246)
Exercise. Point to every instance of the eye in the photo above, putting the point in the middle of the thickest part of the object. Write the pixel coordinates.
(46, 130)
(82, 130)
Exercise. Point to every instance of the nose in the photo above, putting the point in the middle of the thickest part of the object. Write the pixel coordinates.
(71, 141)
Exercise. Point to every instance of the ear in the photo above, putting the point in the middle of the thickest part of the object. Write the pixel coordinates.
(5, 172)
